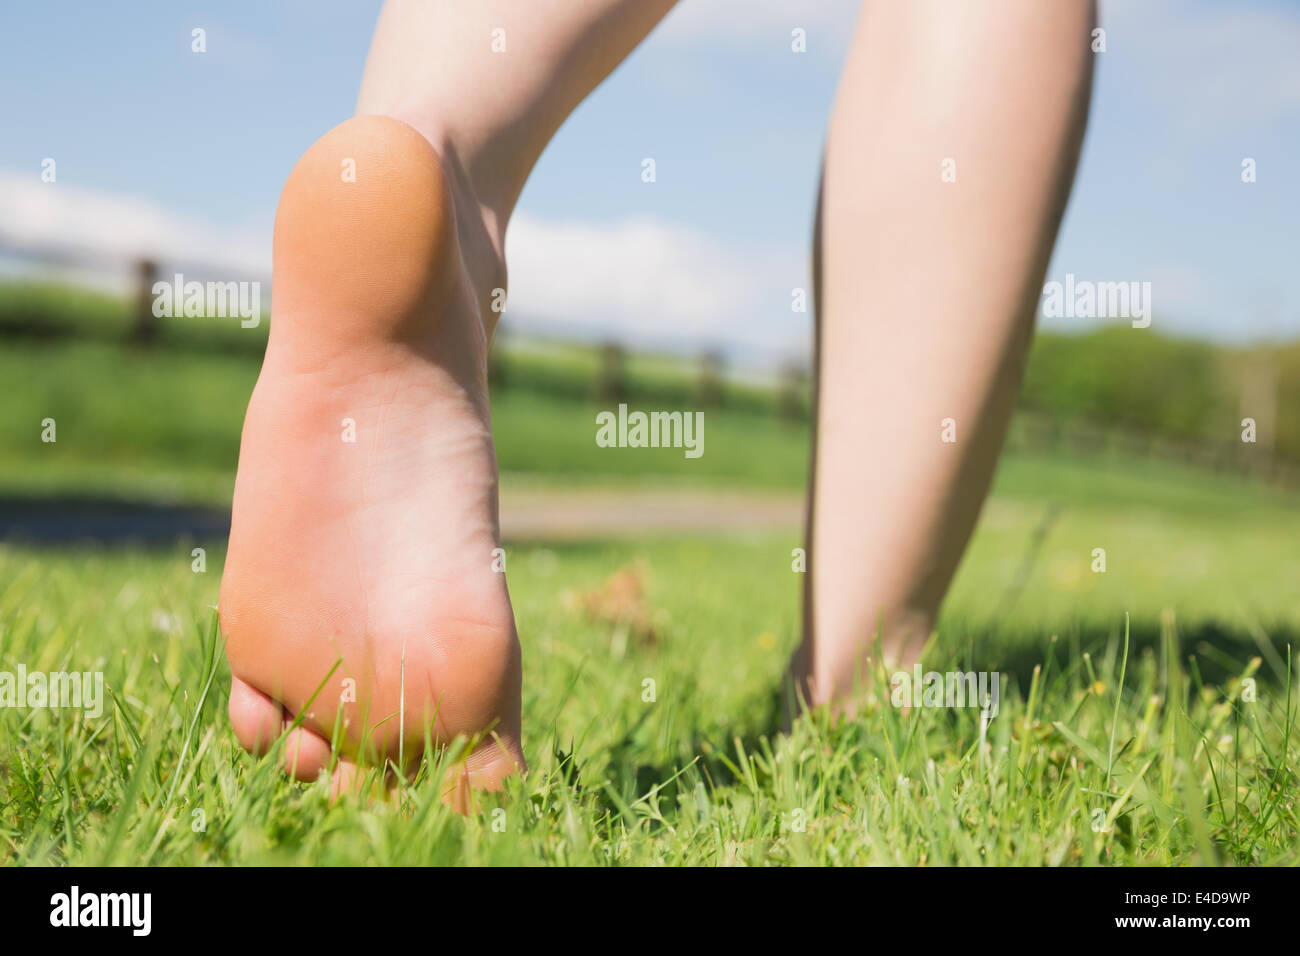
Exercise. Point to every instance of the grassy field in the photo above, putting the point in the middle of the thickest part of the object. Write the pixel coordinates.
(1167, 740)
(145, 425)
(1096, 756)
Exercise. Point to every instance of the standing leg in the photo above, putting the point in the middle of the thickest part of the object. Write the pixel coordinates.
(952, 147)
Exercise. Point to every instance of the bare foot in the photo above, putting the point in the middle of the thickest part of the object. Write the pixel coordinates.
(837, 670)
(365, 508)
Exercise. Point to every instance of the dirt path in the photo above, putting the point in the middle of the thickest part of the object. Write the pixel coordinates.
(602, 513)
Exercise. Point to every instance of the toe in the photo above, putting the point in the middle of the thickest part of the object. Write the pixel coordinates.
(255, 718)
(306, 753)
(346, 778)
(484, 769)
(494, 760)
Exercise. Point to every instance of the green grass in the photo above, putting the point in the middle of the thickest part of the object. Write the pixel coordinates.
(1097, 756)
(1113, 745)
(127, 423)
(165, 424)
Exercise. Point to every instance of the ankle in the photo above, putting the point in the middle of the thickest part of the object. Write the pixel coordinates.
(904, 636)
(480, 226)
(832, 667)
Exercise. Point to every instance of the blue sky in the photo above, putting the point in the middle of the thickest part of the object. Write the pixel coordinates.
(155, 144)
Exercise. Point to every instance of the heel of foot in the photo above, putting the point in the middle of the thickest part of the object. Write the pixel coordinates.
(365, 230)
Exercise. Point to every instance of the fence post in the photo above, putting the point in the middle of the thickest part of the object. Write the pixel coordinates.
(793, 399)
(144, 324)
(708, 387)
(611, 383)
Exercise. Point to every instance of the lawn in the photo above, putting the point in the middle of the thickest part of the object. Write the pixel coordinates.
(1157, 756)
(1147, 715)
(165, 426)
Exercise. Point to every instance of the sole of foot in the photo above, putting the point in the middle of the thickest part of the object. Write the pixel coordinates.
(360, 601)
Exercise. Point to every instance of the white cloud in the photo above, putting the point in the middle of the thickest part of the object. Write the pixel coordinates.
(649, 282)
(643, 278)
(109, 231)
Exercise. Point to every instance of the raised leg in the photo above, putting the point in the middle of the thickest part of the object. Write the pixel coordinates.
(364, 530)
